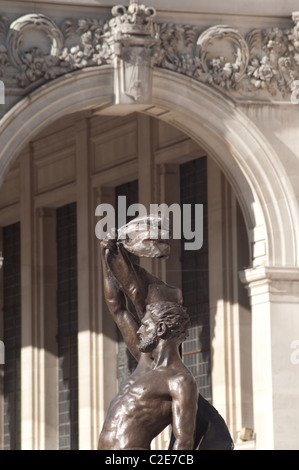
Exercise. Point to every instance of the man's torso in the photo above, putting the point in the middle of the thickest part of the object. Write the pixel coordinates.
(139, 412)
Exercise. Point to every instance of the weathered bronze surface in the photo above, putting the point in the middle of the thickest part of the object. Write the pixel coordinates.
(161, 391)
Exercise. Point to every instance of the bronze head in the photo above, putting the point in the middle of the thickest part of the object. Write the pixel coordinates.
(166, 320)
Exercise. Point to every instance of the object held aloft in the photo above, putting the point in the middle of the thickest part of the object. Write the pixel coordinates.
(146, 236)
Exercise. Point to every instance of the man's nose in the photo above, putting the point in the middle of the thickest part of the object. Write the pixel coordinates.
(139, 331)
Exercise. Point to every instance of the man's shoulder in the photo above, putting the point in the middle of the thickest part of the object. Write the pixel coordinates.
(184, 376)
(182, 380)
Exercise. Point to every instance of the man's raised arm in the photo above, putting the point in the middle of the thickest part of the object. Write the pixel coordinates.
(124, 272)
(115, 299)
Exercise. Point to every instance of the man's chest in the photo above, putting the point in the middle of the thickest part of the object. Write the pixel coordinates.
(149, 387)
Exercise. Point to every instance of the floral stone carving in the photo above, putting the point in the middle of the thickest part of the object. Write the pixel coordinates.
(262, 65)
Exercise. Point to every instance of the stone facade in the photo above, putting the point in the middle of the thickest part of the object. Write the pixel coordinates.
(97, 96)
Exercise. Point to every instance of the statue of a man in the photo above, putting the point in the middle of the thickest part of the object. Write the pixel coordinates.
(161, 391)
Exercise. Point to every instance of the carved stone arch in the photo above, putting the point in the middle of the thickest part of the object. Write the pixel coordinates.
(245, 156)
(211, 119)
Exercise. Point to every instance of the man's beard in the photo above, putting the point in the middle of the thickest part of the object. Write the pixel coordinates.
(148, 344)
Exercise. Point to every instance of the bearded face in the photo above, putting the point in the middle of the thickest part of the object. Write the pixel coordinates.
(148, 344)
(148, 335)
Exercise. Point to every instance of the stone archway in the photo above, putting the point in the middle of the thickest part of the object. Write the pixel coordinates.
(246, 157)
(214, 121)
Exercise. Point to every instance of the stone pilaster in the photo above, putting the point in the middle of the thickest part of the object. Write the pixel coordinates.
(274, 294)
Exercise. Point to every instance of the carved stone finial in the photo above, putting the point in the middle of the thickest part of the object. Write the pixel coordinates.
(133, 23)
(132, 39)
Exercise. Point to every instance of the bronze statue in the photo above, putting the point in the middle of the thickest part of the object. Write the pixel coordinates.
(161, 391)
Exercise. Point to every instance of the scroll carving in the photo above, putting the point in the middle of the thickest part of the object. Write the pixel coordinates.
(222, 72)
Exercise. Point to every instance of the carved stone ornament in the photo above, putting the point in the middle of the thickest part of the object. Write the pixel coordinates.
(34, 22)
(219, 70)
(132, 39)
(261, 66)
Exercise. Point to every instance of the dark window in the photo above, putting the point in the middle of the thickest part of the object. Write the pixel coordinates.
(195, 280)
(126, 363)
(12, 336)
(67, 310)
